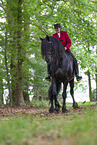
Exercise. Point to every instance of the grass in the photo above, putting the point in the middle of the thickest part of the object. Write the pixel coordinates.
(55, 129)
(41, 104)
(46, 104)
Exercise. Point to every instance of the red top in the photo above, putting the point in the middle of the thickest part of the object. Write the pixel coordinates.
(64, 38)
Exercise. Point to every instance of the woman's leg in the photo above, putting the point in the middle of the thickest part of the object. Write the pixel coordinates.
(75, 66)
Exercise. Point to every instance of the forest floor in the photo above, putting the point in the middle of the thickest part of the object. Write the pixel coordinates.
(35, 110)
(26, 110)
(37, 126)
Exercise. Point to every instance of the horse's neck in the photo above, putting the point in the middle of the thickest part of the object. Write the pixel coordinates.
(64, 55)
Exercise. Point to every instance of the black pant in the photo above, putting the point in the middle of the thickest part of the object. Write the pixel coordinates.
(74, 61)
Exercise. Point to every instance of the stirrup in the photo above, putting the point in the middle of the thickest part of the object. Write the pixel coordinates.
(78, 77)
(47, 78)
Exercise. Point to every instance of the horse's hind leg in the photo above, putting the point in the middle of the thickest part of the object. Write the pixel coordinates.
(75, 105)
(64, 95)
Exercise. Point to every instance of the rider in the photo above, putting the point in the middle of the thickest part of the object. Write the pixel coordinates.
(65, 40)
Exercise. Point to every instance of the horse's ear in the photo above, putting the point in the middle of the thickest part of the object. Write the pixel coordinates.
(41, 38)
(47, 37)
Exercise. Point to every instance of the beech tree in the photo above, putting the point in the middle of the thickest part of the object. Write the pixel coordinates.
(25, 22)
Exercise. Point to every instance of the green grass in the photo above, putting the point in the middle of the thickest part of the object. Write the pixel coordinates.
(41, 104)
(46, 103)
(74, 129)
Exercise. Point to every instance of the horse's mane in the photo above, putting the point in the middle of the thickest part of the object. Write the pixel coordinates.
(56, 45)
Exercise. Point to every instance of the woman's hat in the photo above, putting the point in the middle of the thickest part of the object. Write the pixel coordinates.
(57, 26)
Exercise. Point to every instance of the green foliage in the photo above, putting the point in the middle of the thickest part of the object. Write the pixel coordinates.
(77, 17)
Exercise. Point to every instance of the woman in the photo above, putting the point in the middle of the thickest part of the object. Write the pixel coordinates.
(65, 40)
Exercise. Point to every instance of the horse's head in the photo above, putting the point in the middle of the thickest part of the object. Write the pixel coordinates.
(52, 49)
(47, 49)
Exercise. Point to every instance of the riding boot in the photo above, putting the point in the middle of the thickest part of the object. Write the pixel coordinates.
(75, 66)
(48, 70)
(77, 72)
(48, 77)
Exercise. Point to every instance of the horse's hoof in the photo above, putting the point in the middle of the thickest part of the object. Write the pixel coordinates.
(75, 105)
(57, 109)
(51, 110)
(65, 111)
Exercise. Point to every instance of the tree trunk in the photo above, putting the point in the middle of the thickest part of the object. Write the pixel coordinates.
(0, 98)
(89, 82)
(19, 93)
(1, 92)
(8, 77)
(36, 94)
(25, 83)
(26, 97)
(96, 76)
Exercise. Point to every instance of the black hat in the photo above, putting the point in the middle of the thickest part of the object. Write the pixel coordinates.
(57, 26)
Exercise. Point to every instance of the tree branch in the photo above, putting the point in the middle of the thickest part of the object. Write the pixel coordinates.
(3, 6)
(42, 29)
(51, 6)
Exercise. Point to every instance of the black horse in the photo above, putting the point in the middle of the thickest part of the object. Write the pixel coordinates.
(61, 70)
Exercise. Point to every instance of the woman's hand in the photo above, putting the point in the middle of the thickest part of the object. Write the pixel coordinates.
(66, 48)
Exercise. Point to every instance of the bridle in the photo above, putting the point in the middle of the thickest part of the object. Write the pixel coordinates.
(52, 52)
(51, 48)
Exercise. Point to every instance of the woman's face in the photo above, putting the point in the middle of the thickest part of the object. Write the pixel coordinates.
(58, 30)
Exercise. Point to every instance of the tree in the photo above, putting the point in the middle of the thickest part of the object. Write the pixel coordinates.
(77, 18)
(26, 21)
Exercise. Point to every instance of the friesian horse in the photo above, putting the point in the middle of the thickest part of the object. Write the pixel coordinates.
(61, 70)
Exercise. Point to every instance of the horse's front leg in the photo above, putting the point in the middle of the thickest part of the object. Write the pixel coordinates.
(57, 105)
(53, 91)
(75, 105)
(54, 88)
(52, 94)
(51, 109)
(64, 95)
